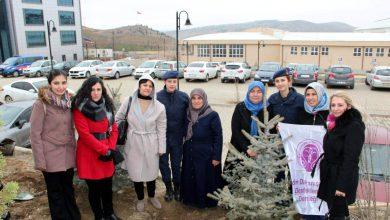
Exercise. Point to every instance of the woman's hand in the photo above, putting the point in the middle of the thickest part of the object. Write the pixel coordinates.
(215, 162)
(251, 153)
(339, 193)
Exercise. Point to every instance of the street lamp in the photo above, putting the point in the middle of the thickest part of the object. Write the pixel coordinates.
(188, 22)
(49, 34)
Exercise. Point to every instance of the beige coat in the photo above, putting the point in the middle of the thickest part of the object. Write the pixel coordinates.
(52, 136)
(146, 138)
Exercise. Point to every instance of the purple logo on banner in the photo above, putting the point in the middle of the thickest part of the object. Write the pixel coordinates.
(308, 152)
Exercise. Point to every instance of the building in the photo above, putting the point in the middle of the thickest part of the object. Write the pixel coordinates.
(5, 43)
(359, 50)
(28, 31)
(380, 26)
(100, 53)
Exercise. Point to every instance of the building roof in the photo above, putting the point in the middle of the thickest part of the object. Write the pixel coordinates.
(380, 24)
(233, 36)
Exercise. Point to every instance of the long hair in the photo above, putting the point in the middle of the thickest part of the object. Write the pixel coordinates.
(85, 92)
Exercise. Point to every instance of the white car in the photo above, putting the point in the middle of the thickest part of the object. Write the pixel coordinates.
(379, 77)
(200, 70)
(84, 69)
(21, 90)
(235, 71)
(38, 68)
(114, 69)
(148, 67)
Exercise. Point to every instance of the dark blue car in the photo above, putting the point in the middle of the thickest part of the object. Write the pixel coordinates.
(14, 66)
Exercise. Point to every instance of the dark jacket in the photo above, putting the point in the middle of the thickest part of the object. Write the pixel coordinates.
(176, 105)
(289, 108)
(199, 176)
(339, 168)
(305, 118)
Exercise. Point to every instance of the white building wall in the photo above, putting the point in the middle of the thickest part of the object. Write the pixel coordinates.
(50, 12)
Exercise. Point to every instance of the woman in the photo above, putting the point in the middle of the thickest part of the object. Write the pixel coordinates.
(54, 147)
(287, 102)
(343, 142)
(146, 139)
(201, 166)
(316, 105)
(93, 112)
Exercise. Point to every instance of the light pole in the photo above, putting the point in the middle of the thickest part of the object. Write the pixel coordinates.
(48, 36)
(188, 22)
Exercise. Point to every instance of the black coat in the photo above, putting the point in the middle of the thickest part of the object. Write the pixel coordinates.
(289, 108)
(339, 169)
(305, 118)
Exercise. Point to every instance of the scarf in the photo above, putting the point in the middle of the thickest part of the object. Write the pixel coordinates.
(323, 100)
(254, 108)
(331, 122)
(193, 115)
(63, 103)
(95, 111)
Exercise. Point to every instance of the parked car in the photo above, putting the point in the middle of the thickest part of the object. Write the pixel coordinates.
(169, 66)
(340, 75)
(379, 77)
(266, 72)
(25, 89)
(38, 68)
(15, 118)
(235, 72)
(200, 70)
(66, 66)
(14, 66)
(148, 67)
(85, 69)
(305, 74)
(114, 69)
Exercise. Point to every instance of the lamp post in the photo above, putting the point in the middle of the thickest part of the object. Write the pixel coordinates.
(188, 22)
(48, 36)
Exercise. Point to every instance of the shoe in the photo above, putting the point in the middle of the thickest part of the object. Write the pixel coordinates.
(169, 192)
(155, 202)
(112, 217)
(140, 205)
(177, 192)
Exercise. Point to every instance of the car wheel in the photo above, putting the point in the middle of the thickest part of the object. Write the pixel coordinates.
(372, 87)
(8, 99)
(39, 74)
(222, 81)
(366, 82)
(328, 86)
(187, 80)
(116, 76)
(15, 73)
(88, 74)
(207, 78)
(153, 75)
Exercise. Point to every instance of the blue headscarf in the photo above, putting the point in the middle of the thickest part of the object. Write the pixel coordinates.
(323, 100)
(254, 108)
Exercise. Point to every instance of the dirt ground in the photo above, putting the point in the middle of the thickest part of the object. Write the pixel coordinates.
(20, 169)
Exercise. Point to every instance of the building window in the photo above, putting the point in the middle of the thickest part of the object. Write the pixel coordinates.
(65, 2)
(294, 51)
(324, 51)
(357, 52)
(33, 16)
(314, 51)
(32, 1)
(236, 50)
(35, 39)
(68, 37)
(63, 57)
(303, 50)
(75, 56)
(368, 52)
(380, 52)
(203, 50)
(66, 17)
(219, 50)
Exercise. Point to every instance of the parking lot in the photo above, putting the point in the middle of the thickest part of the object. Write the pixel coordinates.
(223, 96)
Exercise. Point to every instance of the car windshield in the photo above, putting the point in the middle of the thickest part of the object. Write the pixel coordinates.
(108, 64)
(84, 64)
(269, 67)
(196, 65)
(10, 61)
(384, 72)
(148, 65)
(232, 67)
(341, 70)
(376, 156)
(166, 66)
(59, 65)
(305, 68)
(37, 64)
(8, 113)
(40, 84)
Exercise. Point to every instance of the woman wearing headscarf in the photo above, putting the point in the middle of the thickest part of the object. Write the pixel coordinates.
(201, 165)
(316, 105)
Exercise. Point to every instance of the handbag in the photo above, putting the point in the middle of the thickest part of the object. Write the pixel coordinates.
(122, 127)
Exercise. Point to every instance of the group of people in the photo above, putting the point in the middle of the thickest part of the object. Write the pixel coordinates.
(180, 136)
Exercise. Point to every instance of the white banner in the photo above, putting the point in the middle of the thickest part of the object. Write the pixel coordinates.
(303, 146)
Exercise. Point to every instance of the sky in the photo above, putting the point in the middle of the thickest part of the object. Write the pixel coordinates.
(160, 15)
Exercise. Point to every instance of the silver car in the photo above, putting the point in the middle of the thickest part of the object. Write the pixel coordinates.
(38, 68)
(340, 75)
(379, 77)
(15, 126)
(169, 66)
(114, 69)
(266, 72)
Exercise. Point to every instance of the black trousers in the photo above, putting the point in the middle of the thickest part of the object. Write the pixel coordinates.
(100, 197)
(174, 155)
(60, 193)
(139, 189)
(339, 208)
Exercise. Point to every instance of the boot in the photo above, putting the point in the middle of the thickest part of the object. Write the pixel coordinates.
(177, 192)
(169, 192)
(112, 217)
(155, 202)
(140, 205)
